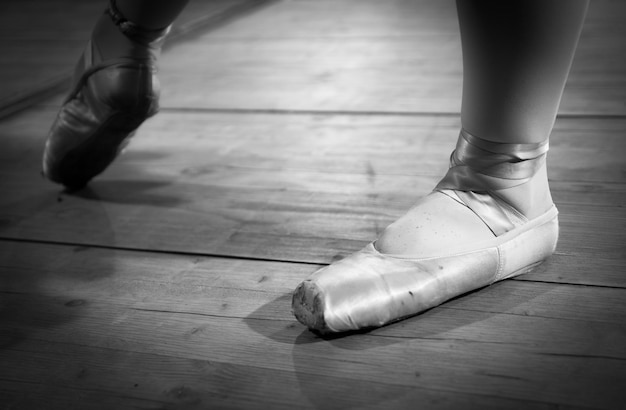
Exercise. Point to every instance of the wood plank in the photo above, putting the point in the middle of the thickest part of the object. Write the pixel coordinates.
(81, 376)
(475, 368)
(597, 80)
(517, 370)
(396, 56)
(32, 32)
(214, 183)
(234, 314)
(583, 149)
(151, 280)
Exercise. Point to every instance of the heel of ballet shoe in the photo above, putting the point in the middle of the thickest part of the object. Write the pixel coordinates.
(529, 249)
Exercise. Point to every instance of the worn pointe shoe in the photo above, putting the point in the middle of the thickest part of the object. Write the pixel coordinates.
(369, 289)
(110, 98)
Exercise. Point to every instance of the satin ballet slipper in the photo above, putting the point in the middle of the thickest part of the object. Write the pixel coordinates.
(370, 289)
(109, 100)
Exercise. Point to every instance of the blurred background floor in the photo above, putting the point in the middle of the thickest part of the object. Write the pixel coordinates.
(291, 134)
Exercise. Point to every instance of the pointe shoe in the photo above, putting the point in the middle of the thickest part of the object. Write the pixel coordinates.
(109, 100)
(370, 289)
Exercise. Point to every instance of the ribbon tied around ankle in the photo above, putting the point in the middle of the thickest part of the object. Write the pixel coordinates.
(479, 168)
(480, 165)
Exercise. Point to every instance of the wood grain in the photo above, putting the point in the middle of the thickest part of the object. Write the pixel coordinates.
(218, 186)
(235, 313)
(394, 56)
(94, 378)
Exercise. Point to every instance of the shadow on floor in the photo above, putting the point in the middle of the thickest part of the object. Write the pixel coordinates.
(314, 354)
(38, 280)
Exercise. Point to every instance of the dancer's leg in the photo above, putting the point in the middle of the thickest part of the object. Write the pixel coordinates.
(517, 56)
(115, 89)
(516, 61)
(151, 14)
(148, 14)
(492, 216)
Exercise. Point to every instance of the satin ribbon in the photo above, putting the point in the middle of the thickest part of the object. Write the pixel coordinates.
(479, 168)
(140, 34)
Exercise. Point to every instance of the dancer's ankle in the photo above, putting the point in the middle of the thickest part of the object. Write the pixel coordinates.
(489, 189)
(114, 40)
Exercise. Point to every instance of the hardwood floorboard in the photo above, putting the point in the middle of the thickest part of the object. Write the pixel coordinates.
(517, 369)
(219, 187)
(89, 380)
(399, 56)
(237, 313)
(583, 150)
(395, 56)
(236, 288)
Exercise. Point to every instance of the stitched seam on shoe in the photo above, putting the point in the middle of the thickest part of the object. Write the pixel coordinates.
(501, 264)
(516, 216)
(429, 258)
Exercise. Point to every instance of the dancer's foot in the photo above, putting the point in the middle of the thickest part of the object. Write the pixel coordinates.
(490, 218)
(115, 89)
(437, 219)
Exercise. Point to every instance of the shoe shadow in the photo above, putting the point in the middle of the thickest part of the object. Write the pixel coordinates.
(129, 192)
(287, 330)
(467, 318)
(45, 285)
(459, 312)
(273, 320)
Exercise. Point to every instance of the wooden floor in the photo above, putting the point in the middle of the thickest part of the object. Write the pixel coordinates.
(291, 134)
